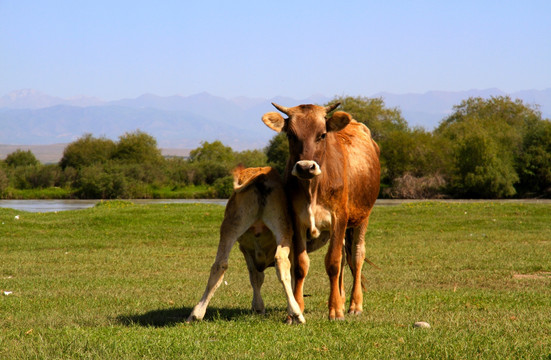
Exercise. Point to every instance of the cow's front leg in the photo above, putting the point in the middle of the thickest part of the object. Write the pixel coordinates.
(333, 262)
(302, 264)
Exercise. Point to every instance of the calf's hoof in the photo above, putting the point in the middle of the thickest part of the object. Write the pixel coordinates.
(295, 319)
(192, 318)
(259, 311)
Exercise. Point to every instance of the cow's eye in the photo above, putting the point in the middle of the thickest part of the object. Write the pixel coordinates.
(321, 137)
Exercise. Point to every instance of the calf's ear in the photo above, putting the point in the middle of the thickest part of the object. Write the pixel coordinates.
(338, 121)
(274, 121)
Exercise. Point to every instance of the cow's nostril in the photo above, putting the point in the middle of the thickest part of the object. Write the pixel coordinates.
(313, 167)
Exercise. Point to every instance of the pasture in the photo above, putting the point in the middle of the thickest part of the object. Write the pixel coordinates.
(117, 281)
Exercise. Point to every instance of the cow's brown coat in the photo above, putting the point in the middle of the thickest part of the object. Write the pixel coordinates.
(332, 182)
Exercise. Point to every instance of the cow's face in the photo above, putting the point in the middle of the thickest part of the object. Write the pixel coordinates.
(307, 127)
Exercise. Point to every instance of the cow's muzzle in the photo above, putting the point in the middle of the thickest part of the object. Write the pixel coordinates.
(306, 169)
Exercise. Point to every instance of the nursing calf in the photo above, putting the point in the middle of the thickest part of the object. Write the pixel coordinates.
(257, 218)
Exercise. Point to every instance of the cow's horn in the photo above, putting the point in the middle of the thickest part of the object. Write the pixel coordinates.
(330, 108)
(283, 109)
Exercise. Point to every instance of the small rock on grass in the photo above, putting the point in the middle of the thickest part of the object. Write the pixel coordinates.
(422, 325)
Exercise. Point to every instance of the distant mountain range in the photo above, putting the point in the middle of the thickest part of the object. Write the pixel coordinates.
(30, 117)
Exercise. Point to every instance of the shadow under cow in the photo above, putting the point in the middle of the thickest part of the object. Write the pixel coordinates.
(175, 316)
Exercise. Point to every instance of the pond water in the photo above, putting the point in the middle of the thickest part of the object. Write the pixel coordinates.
(64, 205)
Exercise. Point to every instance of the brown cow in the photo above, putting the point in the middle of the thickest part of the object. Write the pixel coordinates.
(257, 217)
(332, 181)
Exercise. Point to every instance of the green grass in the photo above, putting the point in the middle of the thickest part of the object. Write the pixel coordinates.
(186, 192)
(33, 194)
(118, 280)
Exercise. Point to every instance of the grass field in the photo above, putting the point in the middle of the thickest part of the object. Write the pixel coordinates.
(118, 281)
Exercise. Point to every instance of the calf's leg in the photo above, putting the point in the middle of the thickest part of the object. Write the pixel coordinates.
(232, 227)
(257, 279)
(283, 233)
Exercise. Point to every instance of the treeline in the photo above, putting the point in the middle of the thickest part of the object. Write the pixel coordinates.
(132, 167)
(486, 148)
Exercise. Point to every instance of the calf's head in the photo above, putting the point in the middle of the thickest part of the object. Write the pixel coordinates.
(308, 129)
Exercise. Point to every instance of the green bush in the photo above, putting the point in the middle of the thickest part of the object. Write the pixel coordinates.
(4, 181)
(137, 147)
(223, 187)
(87, 151)
(99, 182)
(21, 158)
(489, 147)
(277, 152)
(534, 163)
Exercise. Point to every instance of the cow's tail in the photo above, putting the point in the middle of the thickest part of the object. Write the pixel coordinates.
(364, 279)
(348, 250)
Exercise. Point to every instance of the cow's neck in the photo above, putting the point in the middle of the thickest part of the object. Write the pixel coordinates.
(308, 191)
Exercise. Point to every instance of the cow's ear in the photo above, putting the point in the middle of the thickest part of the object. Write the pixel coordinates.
(274, 121)
(338, 121)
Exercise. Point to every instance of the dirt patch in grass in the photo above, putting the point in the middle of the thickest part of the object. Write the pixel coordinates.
(538, 275)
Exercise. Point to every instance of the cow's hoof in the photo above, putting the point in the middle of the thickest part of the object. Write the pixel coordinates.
(355, 312)
(336, 315)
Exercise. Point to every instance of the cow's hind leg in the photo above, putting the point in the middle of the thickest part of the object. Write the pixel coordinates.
(341, 277)
(333, 262)
(356, 240)
(257, 279)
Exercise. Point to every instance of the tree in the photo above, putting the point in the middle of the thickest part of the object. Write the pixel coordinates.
(3, 180)
(214, 151)
(277, 152)
(137, 147)
(373, 112)
(251, 158)
(486, 142)
(21, 158)
(534, 163)
(414, 152)
(212, 161)
(87, 151)
(480, 170)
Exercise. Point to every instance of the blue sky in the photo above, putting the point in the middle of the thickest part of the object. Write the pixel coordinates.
(122, 49)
